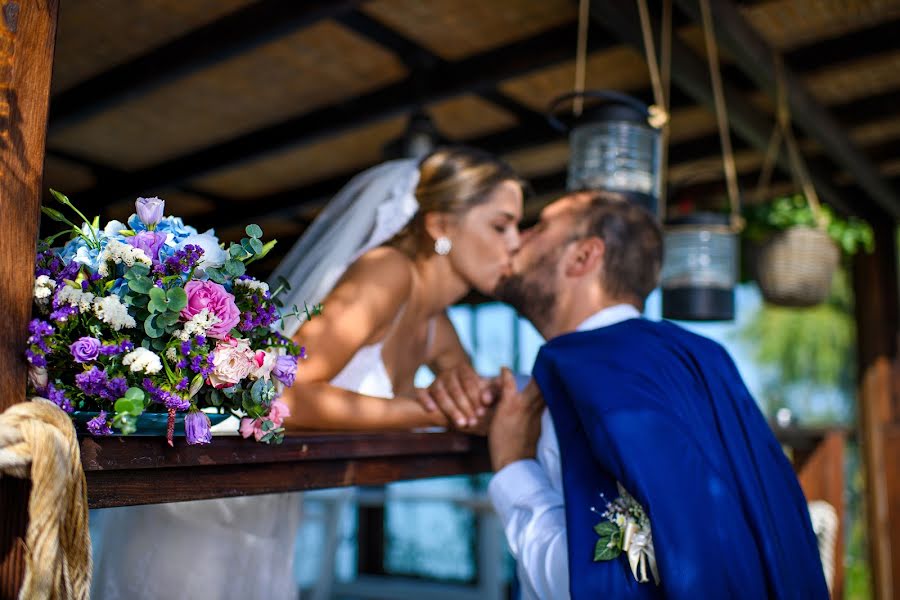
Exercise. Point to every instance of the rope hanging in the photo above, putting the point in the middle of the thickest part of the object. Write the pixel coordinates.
(660, 79)
(581, 56)
(712, 54)
(37, 441)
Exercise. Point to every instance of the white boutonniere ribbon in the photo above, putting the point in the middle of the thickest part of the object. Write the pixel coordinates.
(626, 529)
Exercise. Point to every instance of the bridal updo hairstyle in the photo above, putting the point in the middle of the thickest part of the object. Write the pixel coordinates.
(451, 180)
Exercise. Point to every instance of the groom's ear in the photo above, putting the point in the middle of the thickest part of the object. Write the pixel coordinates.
(586, 257)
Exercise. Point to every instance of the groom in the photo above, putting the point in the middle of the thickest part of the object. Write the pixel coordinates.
(640, 408)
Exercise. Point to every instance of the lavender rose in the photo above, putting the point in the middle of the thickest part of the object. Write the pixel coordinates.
(150, 211)
(196, 428)
(233, 360)
(150, 242)
(85, 349)
(212, 296)
(285, 369)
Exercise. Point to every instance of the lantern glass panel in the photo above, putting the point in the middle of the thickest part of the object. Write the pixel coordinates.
(700, 257)
(615, 155)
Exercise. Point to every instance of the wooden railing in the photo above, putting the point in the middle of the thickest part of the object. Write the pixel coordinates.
(145, 470)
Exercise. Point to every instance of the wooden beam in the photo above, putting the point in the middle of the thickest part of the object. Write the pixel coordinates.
(142, 470)
(27, 35)
(224, 38)
(755, 57)
(470, 75)
(875, 286)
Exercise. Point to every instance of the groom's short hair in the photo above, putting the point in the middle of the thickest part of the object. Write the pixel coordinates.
(633, 242)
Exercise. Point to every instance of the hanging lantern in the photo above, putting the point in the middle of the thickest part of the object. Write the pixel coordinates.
(700, 268)
(420, 138)
(612, 147)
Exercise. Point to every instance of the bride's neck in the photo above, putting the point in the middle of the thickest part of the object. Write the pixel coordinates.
(439, 284)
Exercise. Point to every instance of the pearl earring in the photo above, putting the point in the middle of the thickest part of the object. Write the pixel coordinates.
(442, 245)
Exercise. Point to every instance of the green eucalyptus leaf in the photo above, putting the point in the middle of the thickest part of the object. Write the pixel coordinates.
(253, 231)
(235, 251)
(142, 285)
(136, 394)
(215, 275)
(177, 298)
(235, 268)
(152, 328)
(256, 245)
(140, 269)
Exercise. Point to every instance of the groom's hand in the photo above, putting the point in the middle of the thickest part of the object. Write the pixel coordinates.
(516, 425)
(461, 394)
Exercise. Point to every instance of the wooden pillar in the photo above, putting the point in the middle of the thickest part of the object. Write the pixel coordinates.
(27, 36)
(876, 292)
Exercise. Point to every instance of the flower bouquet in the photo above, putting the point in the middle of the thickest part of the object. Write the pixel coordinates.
(154, 319)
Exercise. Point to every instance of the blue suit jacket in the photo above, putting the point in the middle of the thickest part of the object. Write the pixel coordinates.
(665, 412)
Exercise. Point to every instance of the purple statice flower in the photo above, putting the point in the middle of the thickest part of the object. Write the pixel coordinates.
(126, 346)
(62, 314)
(117, 387)
(37, 349)
(94, 382)
(185, 348)
(182, 363)
(182, 261)
(99, 425)
(200, 340)
(196, 428)
(150, 211)
(183, 384)
(302, 352)
(285, 369)
(150, 242)
(165, 397)
(85, 349)
(69, 272)
(58, 397)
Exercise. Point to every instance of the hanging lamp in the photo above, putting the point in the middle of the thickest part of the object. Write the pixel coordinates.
(700, 266)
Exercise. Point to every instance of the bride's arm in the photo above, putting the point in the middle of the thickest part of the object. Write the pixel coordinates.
(359, 311)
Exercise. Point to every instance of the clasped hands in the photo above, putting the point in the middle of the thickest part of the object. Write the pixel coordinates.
(489, 406)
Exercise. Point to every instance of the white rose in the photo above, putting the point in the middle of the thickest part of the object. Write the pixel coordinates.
(233, 360)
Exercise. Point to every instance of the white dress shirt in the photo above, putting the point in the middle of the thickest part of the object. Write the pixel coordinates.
(528, 498)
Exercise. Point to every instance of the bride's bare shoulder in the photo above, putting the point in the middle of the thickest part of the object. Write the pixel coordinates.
(384, 267)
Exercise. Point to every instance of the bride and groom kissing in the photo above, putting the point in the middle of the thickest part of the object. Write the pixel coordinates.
(635, 464)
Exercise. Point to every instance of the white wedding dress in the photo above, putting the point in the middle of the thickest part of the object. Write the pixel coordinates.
(230, 548)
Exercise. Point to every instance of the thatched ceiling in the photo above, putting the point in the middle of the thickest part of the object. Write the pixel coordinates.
(238, 110)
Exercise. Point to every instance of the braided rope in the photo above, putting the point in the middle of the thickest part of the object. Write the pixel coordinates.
(37, 440)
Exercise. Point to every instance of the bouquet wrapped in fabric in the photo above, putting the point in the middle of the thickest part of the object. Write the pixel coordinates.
(153, 318)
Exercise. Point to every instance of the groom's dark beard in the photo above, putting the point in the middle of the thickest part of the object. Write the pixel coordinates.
(530, 292)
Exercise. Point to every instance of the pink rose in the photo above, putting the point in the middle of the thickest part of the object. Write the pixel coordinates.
(265, 362)
(277, 413)
(212, 296)
(233, 360)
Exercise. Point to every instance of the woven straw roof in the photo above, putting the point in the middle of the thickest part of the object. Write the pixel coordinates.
(269, 108)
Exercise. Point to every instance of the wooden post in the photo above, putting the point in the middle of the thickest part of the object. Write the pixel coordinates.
(876, 293)
(27, 37)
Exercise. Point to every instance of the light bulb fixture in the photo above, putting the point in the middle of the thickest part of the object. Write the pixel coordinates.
(420, 138)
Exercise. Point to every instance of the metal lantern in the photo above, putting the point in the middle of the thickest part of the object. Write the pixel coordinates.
(612, 147)
(700, 268)
(419, 139)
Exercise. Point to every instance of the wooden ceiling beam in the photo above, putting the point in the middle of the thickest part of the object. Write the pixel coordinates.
(755, 57)
(224, 38)
(470, 75)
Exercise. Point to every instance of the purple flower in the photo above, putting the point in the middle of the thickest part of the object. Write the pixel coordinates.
(99, 425)
(93, 383)
(150, 242)
(58, 397)
(285, 369)
(150, 211)
(85, 349)
(196, 428)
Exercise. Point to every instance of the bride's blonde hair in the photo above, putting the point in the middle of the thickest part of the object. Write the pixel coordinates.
(451, 180)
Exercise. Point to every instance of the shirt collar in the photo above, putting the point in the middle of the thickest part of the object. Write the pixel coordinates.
(609, 316)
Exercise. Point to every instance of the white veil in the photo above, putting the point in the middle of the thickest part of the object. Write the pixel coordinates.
(368, 211)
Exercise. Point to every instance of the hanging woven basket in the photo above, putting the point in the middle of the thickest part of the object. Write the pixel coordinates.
(795, 267)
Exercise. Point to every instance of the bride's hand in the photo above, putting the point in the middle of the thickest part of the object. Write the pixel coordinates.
(461, 394)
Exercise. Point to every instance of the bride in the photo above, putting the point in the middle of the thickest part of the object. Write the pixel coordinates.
(397, 246)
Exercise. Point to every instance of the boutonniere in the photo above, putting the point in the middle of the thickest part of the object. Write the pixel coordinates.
(626, 529)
